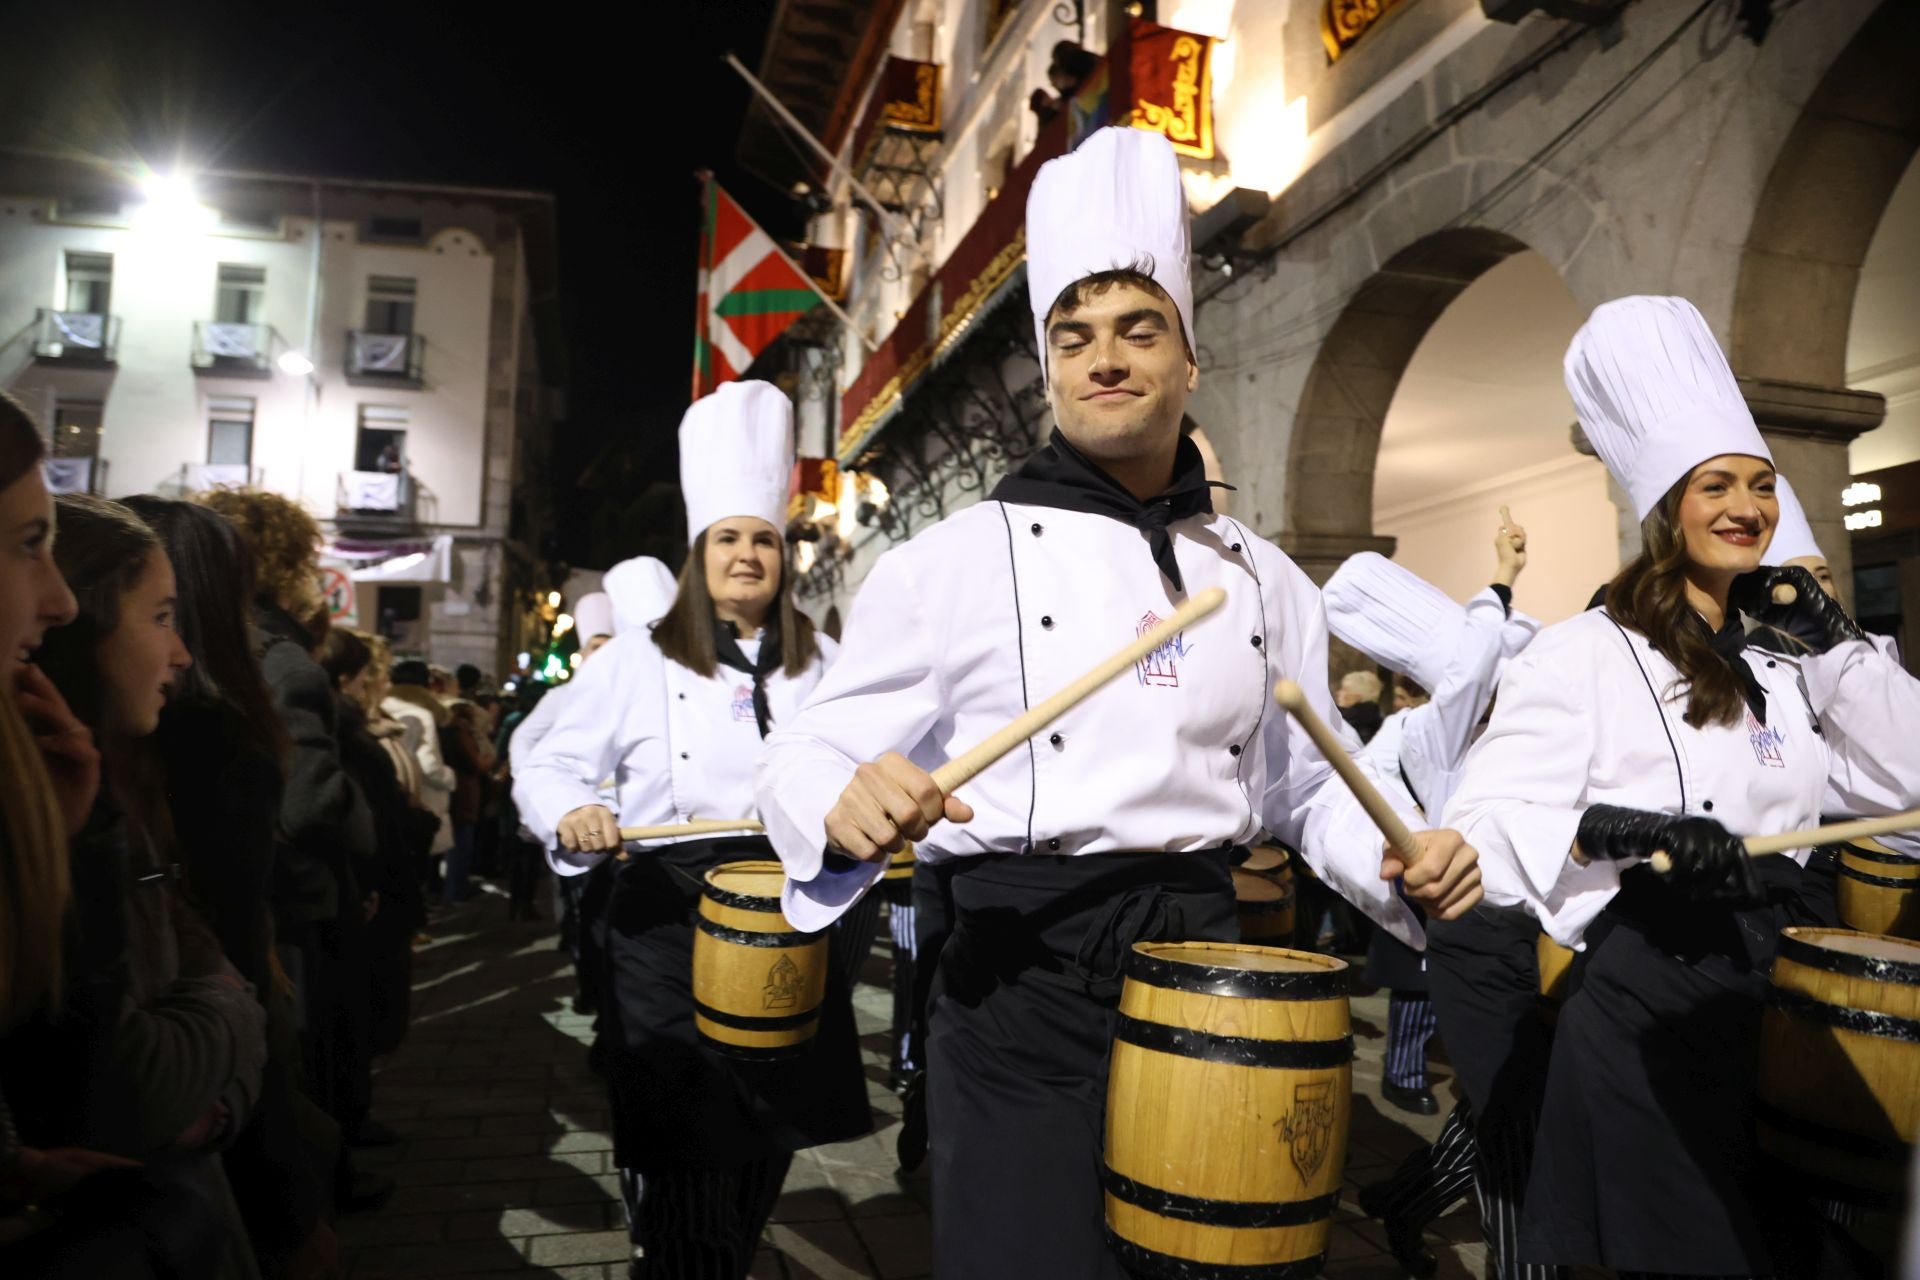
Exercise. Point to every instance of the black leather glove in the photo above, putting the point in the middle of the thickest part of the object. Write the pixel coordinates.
(1710, 863)
(1814, 618)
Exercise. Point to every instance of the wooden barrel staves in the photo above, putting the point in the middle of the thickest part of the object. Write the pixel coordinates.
(757, 981)
(1227, 1109)
(899, 867)
(1839, 1092)
(1555, 961)
(1265, 904)
(1879, 890)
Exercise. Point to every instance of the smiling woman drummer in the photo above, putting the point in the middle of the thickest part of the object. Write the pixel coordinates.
(1652, 726)
(675, 714)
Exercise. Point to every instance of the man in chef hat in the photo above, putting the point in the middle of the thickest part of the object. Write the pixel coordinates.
(1114, 825)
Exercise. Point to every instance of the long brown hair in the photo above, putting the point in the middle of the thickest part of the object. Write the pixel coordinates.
(34, 884)
(685, 634)
(1650, 596)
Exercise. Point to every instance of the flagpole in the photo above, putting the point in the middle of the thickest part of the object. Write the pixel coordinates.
(701, 302)
(893, 225)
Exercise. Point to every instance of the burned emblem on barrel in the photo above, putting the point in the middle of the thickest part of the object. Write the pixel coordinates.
(783, 984)
(1308, 1128)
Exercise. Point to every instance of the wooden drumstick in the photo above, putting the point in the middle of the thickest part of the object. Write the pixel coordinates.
(1784, 593)
(1291, 696)
(697, 827)
(1813, 837)
(963, 768)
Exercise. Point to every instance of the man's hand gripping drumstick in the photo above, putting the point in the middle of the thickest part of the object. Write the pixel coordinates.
(892, 802)
(1436, 869)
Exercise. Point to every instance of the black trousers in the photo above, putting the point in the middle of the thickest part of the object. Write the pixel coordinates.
(701, 1223)
(1023, 1020)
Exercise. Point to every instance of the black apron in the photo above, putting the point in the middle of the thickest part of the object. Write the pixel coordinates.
(1484, 977)
(1644, 1157)
(676, 1103)
(1023, 1019)
(1395, 966)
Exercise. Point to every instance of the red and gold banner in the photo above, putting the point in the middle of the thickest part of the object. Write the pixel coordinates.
(1171, 86)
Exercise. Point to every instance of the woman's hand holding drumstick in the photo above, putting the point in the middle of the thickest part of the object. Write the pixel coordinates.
(892, 802)
(1437, 869)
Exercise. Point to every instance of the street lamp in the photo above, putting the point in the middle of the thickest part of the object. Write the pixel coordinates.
(294, 363)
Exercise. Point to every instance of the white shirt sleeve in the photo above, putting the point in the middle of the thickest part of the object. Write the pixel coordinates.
(881, 693)
(1867, 706)
(1521, 796)
(589, 735)
(1304, 803)
(1434, 738)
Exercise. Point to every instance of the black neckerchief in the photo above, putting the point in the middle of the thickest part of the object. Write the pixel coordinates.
(1730, 642)
(726, 647)
(1059, 475)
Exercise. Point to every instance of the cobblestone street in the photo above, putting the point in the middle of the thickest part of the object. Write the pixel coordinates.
(506, 1164)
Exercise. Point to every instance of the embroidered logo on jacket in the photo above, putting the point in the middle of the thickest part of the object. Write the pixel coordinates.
(743, 703)
(1161, 667)
(1767, 742)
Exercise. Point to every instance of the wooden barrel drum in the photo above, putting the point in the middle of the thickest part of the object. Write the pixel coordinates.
(899, 867)
(1263, 891)
(757, 981)
(1839, 1091)
(1227, 1110)
(1878, 891)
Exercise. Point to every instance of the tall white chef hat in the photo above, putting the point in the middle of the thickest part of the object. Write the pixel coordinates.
(1655, 395)
(1114, 203)
(736, 455)
(1397, 618)
(593, 616)
(1793, 536)
(642, 590)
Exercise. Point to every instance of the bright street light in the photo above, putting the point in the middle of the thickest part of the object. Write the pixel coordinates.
(169, 204)
(295, 363)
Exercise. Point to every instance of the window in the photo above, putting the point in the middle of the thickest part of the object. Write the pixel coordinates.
(76, 429)
(390, 304)
(240, 297)
(230, 431)
(381, 444)
(394, 229)
(398, 611)
(89, 282)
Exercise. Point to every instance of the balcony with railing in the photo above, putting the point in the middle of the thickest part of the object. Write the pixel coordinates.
(75, 337)
(223, 349)
(198, 477)
(384, 359)
(375, 501)
(896, 145)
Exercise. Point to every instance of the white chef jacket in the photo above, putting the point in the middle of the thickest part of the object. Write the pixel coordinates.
(996, 608)
(1579, 723)
(678, 745)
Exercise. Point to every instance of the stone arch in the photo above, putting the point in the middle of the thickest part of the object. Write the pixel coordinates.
(1813, 223)
(1343, 407)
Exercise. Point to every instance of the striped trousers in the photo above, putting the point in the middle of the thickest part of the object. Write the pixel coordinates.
(1490, 1160)
(1410, 1024)
(700, 1223)
(901, 919)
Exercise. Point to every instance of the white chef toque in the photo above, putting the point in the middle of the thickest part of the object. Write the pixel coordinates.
(1793, 536)
(642, 590)
(1397, 618)
(1655, 395)
(593, 616)
(1116, 202)
(736, 455)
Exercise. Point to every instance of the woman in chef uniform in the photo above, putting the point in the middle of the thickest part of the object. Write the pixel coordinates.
(1651, 725)
(676, 714)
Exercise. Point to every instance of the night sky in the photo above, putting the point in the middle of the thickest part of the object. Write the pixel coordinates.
(612, 109)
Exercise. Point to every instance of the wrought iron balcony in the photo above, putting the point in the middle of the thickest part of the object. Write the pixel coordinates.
(229, 350)
(897, 143)
(75, 337)
(384, 359)
(198, 477)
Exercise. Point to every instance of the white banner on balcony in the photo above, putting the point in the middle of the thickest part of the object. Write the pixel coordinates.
(416, 567)
(381, 352)
(236, 341)
(370, 491)
(219, 475)
(81, 328)
(68, 475)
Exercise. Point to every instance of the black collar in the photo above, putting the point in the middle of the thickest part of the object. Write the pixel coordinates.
(1730, 642)
(1060, 476)
(726, 647)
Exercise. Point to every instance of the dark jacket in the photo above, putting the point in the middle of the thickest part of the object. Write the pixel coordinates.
(326, 827)
(226, 795)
